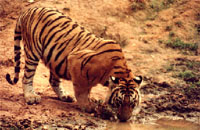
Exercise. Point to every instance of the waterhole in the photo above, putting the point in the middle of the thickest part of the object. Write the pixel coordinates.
(161, 124)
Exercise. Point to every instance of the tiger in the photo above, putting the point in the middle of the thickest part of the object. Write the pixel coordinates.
(72, 53)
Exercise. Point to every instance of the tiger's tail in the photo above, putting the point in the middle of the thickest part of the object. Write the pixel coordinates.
(17, 53)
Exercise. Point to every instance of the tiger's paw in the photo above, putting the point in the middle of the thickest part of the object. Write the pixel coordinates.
(64, 95)
(67, 98)
(87, 107)
(32, 98)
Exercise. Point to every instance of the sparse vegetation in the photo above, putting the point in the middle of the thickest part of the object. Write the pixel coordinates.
(168, 28)
(187, 71)
(179, 23)
(181, 45)
(152, 7)
(198, 28)
(122, 40)
(138, 6)
(171, 34)
(160, 5)
(186, 74)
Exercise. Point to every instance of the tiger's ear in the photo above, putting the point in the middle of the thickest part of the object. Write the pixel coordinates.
(138, 79)
(114, 80)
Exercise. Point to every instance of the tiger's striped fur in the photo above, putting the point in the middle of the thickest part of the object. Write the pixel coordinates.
(72, 53)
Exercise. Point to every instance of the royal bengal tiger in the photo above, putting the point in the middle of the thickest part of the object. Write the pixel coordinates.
(72, 53)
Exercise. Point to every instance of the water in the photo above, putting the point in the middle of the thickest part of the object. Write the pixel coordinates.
(161, 124)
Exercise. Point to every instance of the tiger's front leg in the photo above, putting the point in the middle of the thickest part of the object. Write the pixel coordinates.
(83, 100)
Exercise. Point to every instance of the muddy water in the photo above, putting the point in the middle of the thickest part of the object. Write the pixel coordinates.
(161, 124)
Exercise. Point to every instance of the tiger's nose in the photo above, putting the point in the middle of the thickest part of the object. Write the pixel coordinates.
(125, 113)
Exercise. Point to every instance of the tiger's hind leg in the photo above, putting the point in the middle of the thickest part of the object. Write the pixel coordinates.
(30, 96)
(59, 90)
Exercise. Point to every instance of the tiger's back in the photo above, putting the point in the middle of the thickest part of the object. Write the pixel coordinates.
(69, 51)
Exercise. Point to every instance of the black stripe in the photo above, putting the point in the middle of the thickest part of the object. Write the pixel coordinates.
(90, 43)
(103, 76)
(59, 37)
(49, 23)
(50, 66)
(89, 34)
(116, 58)
(86, 60)
(66, 42)
(112, 96)
(28, 77)
(107, 43)
(17, 63)
(33, 53)
(17, 69)
(31, 63)
(82, 55)
(38, 47)
(52, 36)
(35, 28)
(53, 28)
(57, 69)
(17, 38)
(59, 53)
(30, 82)
(62, 34)
(58, 18)
(41, 32)
(117, 67)
(85, 41)
(93, 79)
(49, 15)
(123, 79)
(73, 27)
(82, 28)
(97, 43)
(121, 72)
(9, 79)
(16, 32)
(15, 80)
(50, 53)
(30, 70)
(17, 57)
(41, 12)
(17, 48)
(87, 75)
(77, 41)
(32, 18)
(61, 44)
(66, 22)
(65, 72)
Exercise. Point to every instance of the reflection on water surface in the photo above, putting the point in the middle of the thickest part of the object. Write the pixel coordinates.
(161, 124)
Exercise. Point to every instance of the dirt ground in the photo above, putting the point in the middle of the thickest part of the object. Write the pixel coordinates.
(171, 87)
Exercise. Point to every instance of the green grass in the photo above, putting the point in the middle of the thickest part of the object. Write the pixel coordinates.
(198, 83)
(181, 45)
(158, 5)
(188, 74)
(151, 8)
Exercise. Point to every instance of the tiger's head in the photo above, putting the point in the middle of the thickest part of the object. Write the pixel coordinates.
(124, 96)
